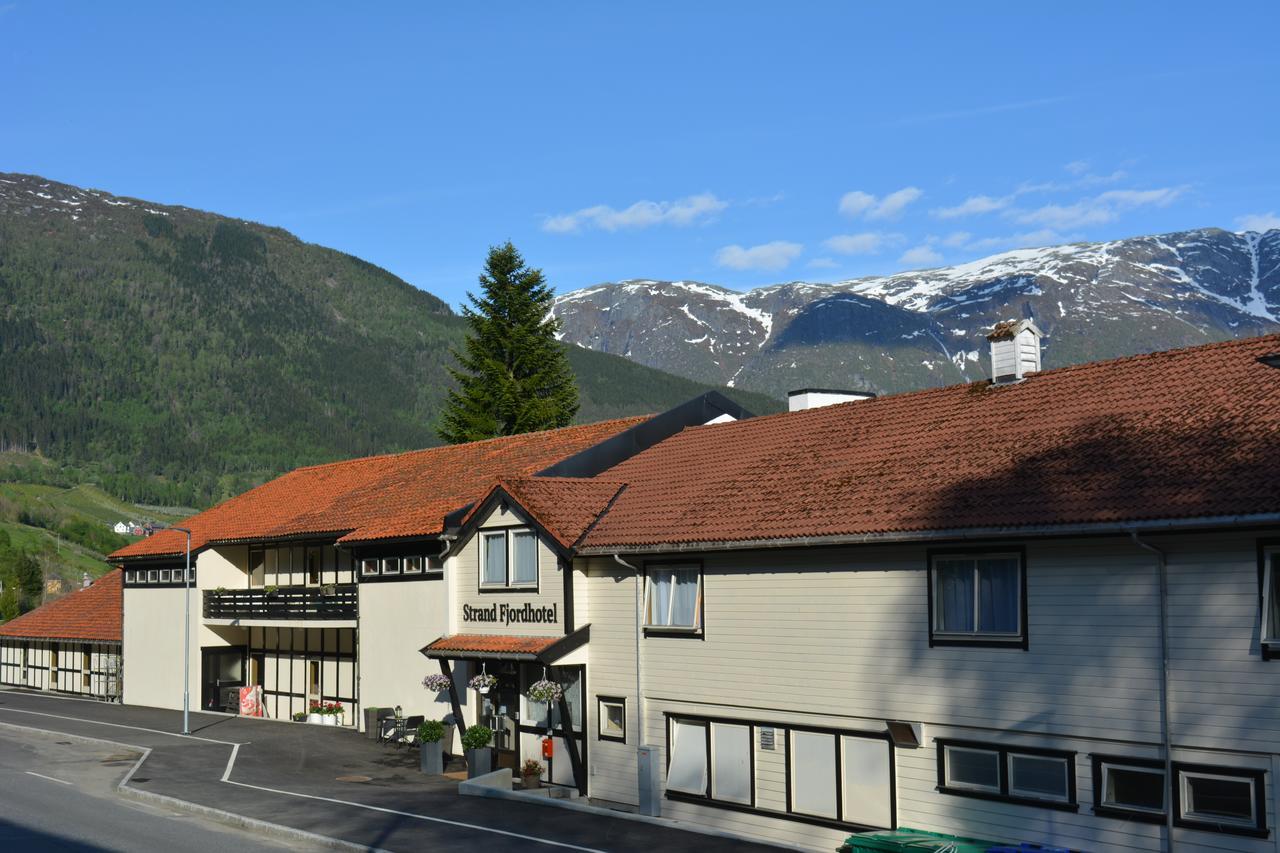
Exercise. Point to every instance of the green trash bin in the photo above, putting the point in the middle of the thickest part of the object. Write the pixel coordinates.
(907, 840)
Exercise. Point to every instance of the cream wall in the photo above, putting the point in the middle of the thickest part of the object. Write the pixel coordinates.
(838, 638)
(398, 618)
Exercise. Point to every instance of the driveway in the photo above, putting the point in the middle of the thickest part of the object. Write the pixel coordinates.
(334, 783)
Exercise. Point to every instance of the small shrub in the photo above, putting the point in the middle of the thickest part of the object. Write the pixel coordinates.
(430, 731)
(477, 737)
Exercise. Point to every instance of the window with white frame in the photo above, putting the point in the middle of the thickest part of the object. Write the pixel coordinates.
(611, 719)
(1220, 798)
(153, 575)
(391, 566)
(1129, 788)
(509, 559)
(1271, 596)
(413, 565)
(369, 568)
(687, 756)
(977, 597)
(1022, 775)
(673, 598)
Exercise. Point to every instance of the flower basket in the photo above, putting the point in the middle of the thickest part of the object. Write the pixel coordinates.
(482, 682)
(436, 683)
(545, 691)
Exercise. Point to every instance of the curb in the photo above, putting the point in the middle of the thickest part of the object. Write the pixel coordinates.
(223, 816)
(478, 788)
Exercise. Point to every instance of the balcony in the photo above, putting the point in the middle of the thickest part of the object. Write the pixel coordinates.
(287, 603)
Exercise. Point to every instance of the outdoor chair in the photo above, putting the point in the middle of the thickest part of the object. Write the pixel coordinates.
(409, 733)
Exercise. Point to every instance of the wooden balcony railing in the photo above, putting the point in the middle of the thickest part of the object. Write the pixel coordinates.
(331, 601)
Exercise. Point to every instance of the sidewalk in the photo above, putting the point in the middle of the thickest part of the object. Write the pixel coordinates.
(290, 775)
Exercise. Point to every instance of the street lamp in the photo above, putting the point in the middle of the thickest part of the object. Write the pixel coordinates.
(186, 637)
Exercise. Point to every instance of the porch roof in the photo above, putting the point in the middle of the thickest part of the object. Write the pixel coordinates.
(506, 646)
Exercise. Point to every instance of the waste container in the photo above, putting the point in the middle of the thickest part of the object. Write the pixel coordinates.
(907, 840)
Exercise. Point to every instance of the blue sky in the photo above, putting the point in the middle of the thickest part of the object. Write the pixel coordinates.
(737, 143)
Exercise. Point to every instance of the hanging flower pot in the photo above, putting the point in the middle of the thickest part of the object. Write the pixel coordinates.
(545, 690)
(436, 683)
(482, 682)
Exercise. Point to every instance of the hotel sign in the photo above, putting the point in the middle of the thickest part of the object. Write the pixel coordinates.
(506, 614)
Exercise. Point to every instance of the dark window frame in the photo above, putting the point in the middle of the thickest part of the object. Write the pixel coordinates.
(946, 640)
(1268, 551)
(508, 543)
(1005, 795)
(1256, 776)
(614, 700)
(1104, 810)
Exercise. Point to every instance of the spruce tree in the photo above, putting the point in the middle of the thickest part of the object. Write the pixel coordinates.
(513, 376)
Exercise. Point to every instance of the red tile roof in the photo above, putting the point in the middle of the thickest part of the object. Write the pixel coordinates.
(491, 644)
(378, 497)
(86, 614)
(564, 506)
(1189, 433)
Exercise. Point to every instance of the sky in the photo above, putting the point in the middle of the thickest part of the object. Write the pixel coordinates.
(737, 143)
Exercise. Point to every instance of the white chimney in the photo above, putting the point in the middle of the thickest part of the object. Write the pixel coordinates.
(1015, 350)
(813, 398)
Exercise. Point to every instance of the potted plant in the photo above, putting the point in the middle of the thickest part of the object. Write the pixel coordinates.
(430, 752)
(531, 774)
(315, 713)
(329, 590)
(436, 683)
(299, 716)
(475, 743)
(333, 713)
(482, 682)
(271, 590)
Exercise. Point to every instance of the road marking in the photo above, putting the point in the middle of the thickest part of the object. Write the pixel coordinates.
(121, 726)
(50, 778)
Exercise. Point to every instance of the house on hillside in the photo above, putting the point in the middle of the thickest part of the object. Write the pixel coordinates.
(322, 585)
(71, 645)
(121, 528)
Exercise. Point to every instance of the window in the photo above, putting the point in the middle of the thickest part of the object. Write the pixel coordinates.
(153, 575)
(53, 666)
(130, 577)
(687, 757)
(611, 719)
(1039, 777)
(495, 559)
(525, 553)
(841, 777)
(391, 566)
(86, 669)
(509, 561)
(413, 565)
(313, 566)
(673, 598)
(813, 773)
(1129, 788)
(1271, 598)
(731, 765)
(368, 568)
(1221, 798)
(978, 598)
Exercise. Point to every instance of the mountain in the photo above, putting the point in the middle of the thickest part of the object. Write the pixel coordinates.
(914, 329)
(175, 356)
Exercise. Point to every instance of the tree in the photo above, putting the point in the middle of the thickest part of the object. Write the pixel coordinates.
(513, 376)
(30, 580)
(9, 605)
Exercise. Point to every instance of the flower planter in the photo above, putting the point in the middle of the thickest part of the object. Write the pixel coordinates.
(315, 719)
(531, 782)
(330, 720)
(431, 758)
(479, 762)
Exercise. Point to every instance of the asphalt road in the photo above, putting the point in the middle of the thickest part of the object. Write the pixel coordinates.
(59, 795)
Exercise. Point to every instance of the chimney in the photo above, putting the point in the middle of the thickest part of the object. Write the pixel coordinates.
(85, 581)
(1015, 350)
(813, 398)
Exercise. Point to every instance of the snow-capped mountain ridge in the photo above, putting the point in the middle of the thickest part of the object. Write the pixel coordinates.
(924, 327)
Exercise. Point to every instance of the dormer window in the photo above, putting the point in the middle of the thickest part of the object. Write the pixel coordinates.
(508, 559)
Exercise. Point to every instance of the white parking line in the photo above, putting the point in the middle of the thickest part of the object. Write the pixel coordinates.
(121, 726)
(50, 778)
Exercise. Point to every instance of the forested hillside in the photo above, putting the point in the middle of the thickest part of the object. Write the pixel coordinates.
(177, 357)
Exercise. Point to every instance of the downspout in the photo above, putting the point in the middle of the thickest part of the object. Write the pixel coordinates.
(1162, 563)
(640, 704)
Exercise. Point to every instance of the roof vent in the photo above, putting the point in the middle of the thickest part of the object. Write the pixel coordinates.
(813, 398)
(1272, 360)
(1015, 350)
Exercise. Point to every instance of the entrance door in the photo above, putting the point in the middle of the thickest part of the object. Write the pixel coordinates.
(221, 677)
(504, 719)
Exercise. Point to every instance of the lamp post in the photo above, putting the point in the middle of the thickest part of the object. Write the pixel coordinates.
(186, 637)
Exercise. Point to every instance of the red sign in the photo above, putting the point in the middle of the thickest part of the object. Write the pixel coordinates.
(548, 747)
(251, 702)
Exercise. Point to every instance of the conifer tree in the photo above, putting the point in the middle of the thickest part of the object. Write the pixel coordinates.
(513, 375)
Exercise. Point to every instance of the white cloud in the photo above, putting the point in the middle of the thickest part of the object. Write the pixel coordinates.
(1102, 208)
(956, 239)
(1077, 167)
(856, 202)
(1025, 240)
(973, 205)
(859, 203)
(642, 214)
(1258, 221)
(823, 264)
(866, 243)
(921, 256)
(767, 256)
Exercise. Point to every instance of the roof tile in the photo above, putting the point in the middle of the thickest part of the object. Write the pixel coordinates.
(95, 613)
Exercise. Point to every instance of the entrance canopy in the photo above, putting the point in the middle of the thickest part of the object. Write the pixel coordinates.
(517, 647)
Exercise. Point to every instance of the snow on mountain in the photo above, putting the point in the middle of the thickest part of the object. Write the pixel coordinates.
(924, 327)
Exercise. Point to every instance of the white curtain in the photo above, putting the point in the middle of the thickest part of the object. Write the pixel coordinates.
(954, 595)
(731, 758)
(813, 774)
(659, 597)
(684, 606)
(495, 558)
(526, 555)
(998, 600)
(687, 771)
